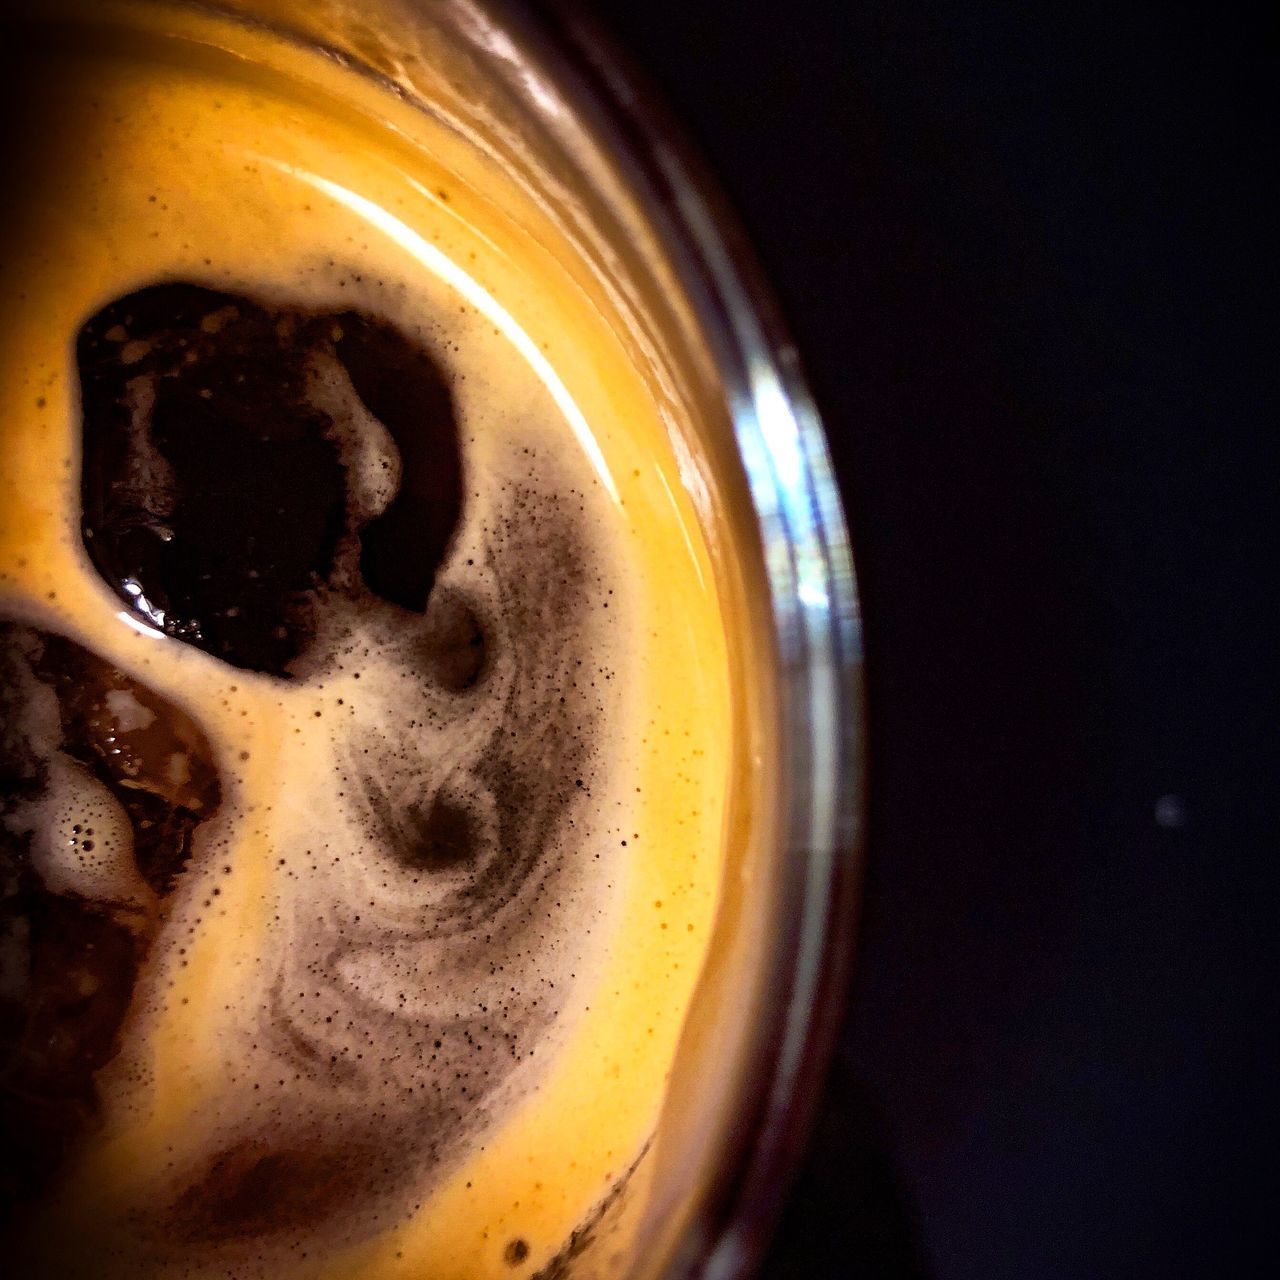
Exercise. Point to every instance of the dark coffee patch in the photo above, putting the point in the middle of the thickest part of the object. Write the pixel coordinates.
(70, 961)
(214, 490)
(401, 550)
(160, 771)
(454, 644)
(58, 1025)
(254, 1189)
(447, 838)
(212, 497)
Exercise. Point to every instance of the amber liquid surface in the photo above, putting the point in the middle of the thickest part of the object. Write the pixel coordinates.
(367, 722)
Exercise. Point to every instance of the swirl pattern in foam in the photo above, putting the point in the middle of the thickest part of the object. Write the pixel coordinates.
(360, 624)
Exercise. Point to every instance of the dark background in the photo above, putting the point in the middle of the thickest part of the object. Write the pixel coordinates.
(1020, 248)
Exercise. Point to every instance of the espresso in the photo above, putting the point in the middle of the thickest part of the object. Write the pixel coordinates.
(282, 490)
(365, 714)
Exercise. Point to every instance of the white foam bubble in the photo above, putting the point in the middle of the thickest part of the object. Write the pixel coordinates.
(82, 841)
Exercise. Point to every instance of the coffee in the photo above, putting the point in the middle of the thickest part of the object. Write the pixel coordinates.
(366, 720)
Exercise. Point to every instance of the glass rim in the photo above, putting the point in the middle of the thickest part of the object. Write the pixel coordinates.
(813, 603)
(813, 606)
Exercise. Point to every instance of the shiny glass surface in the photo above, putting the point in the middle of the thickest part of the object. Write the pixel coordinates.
(543, 95)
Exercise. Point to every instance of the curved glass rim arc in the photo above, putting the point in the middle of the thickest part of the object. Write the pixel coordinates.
(814, 600)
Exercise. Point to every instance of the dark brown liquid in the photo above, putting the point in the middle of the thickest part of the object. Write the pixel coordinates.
(213, 485)
(78, 956)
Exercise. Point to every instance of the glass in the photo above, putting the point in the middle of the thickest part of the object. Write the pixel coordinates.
(541, 91)
(541, 95)
(568, 118)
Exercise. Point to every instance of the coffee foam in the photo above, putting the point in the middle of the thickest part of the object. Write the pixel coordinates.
(189, 163)
(436, 890)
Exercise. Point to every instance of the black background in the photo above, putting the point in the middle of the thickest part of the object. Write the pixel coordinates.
(1020, 249)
